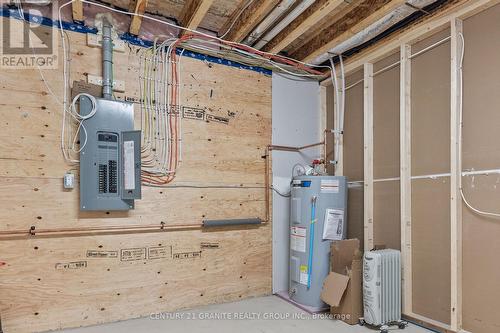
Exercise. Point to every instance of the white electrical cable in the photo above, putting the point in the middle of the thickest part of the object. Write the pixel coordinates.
(339, 105)
(66, 73)
(179, 27)
(460, 110)
(80, 119)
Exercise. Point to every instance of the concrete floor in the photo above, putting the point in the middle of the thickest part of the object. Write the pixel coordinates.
(264, 307)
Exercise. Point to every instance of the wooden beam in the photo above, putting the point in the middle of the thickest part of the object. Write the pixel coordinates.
(237, 28)
(368, 156)
(193, 13)
(355, 21)
(140, 8)
(456, 174)
(308, 19)
(405, 174)
(77, 8)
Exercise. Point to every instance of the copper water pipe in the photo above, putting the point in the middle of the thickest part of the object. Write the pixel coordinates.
(154, 227)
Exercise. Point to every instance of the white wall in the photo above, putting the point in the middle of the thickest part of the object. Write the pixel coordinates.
(296, 122)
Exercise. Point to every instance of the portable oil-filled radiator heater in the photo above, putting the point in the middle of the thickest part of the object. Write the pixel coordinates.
(382, 289)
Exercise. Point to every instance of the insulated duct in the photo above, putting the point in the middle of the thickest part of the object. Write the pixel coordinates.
(276, 13)
(399, 14)
(231, 222)
(284, 23)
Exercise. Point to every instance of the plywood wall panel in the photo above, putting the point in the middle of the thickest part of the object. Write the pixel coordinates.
(51, 283)
(481, 137)
(43, 297)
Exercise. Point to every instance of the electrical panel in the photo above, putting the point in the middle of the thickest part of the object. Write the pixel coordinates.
(110, 159)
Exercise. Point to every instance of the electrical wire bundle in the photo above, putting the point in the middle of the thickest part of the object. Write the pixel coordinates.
(161, 119)
(247, 55)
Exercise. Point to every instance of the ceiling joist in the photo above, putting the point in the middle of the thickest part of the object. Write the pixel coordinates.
(77, 8)
(241, 24)
(137, 7)
(308, 19)
(352, 23)
(193, 13)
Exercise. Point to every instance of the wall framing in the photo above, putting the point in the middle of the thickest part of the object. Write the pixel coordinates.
(451, 18)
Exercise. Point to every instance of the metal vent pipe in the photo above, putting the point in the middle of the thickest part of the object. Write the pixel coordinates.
(107, 59)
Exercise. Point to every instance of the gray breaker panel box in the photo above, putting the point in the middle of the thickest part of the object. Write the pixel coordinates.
(102, 173)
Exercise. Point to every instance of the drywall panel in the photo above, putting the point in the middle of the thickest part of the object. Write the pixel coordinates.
(481, 150)
(430, 147)
(430, 108)
(52, 283)
(386, 199)
(431, 248)
(296, 122)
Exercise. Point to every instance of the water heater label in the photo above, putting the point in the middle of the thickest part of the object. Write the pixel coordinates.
(298, 239)
(334, 223)
(304, 277)
(330, 186)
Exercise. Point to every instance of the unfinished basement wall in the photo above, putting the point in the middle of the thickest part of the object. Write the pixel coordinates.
(386, 188)
(430, 196)
(432, 265)
(481, 151)
(56, 282)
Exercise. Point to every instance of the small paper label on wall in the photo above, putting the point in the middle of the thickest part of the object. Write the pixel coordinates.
(330, 186)
(334, 224)
(298, 239)
(304, 277)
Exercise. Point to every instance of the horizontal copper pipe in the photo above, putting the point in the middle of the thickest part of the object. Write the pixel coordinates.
(100, 230)
(294, 149)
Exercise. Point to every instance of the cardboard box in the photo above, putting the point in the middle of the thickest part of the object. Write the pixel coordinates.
(343, 287)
